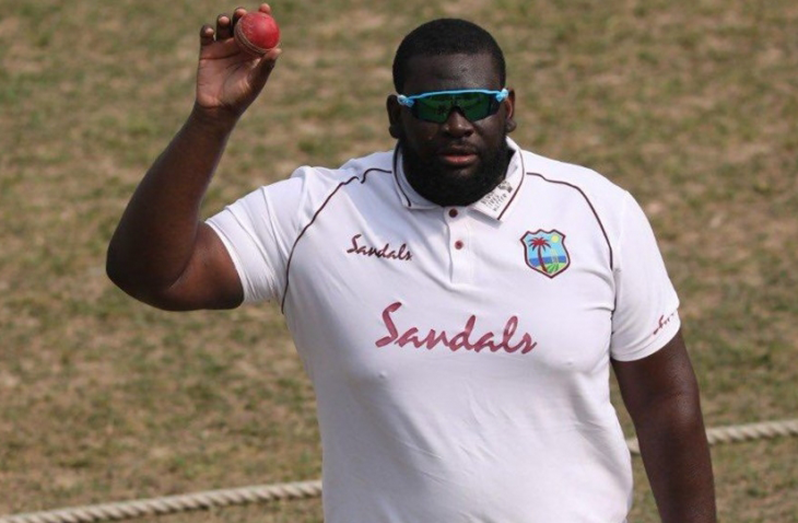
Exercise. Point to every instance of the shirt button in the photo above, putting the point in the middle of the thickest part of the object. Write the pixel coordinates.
(453, 213)
(458, 245)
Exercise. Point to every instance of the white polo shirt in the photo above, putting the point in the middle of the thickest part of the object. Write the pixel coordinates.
(460, 356)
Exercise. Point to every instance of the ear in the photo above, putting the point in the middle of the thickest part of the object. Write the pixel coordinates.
(509, 112)
(394, 117)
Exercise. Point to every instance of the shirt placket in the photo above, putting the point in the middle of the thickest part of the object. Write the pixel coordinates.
(460, 245)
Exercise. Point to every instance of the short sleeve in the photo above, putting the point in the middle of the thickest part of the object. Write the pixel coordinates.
(258, 231)
(646, 305)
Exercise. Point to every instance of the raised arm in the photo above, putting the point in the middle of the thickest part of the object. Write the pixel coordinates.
(661, 394)
(161, 252)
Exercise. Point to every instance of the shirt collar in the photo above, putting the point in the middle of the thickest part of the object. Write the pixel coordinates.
(493, 205)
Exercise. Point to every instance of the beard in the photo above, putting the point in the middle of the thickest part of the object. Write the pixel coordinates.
(445, 188)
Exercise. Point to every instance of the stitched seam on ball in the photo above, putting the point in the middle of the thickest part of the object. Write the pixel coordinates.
(246, 43)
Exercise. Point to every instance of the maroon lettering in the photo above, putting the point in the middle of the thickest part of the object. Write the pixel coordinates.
(402, 254)
(462, 339)
(487, 341)
(386, 319)
(662, 322)
(410, 337)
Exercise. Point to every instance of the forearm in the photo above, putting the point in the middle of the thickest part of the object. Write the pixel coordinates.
(155, 238)
(676, 456)
(662, 396)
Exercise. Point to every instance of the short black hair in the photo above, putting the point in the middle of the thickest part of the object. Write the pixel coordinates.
(445, 36)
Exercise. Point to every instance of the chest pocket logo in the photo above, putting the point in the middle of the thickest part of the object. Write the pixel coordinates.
(545, 252)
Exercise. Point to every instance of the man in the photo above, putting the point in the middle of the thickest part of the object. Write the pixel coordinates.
(458, 302)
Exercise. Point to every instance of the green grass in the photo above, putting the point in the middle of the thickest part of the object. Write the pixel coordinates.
(689, 105)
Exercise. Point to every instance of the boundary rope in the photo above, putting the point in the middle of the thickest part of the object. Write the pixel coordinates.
(734, 433)
(311, 489)
(171, 504)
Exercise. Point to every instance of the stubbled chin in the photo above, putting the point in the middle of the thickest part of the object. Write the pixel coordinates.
(449, 186)
(452, 182)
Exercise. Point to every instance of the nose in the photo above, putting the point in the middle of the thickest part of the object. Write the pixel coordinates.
(457, 124)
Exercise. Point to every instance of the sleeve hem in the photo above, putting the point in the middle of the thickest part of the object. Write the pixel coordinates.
(667, 329)
(236, 259)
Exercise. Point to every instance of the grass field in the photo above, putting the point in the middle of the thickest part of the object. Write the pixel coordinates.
(691, 105)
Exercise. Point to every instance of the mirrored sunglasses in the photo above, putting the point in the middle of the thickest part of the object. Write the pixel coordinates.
(474, 104)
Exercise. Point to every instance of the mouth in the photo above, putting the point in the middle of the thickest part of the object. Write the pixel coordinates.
(458, 157)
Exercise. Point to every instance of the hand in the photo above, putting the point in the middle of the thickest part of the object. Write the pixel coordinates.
(228, 79)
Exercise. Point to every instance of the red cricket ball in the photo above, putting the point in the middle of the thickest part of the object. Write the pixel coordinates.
(256, 32)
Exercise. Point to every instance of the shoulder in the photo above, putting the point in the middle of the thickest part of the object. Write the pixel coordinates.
(379, 161)
(570, 175)
(311, 187)
(351, 170)
(565, 184)
(310, 182)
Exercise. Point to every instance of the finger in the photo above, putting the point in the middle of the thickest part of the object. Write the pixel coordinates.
(237, 14)
(266, 64)
(269, 59)
(206, 35)
(224, 27)
(265, 8)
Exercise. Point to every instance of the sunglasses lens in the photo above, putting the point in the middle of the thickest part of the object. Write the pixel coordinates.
(475, 106)
(436, 108)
